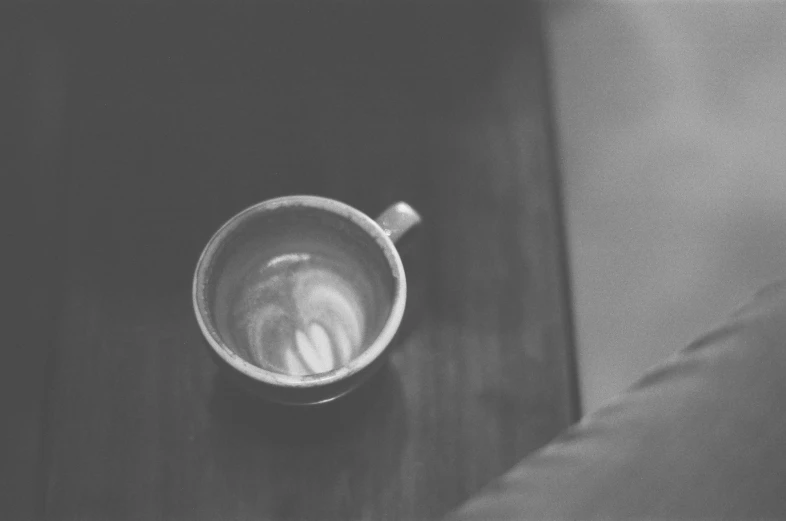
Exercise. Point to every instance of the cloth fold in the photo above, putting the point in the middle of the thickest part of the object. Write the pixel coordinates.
(701, 435)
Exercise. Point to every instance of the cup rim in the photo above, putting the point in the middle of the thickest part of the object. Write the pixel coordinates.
(357, 364)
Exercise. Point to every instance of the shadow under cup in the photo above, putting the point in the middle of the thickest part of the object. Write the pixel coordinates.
(295, 297)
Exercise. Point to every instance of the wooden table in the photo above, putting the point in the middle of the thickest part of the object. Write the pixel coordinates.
(136, 129)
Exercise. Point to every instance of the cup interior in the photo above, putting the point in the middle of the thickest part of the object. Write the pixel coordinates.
(297, 291)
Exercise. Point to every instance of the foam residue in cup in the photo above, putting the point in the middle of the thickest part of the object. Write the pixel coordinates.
(301, 315)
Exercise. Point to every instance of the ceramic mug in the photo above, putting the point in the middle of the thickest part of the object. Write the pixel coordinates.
(299, 297)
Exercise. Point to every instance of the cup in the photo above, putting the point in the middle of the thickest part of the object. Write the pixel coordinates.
(299, 297)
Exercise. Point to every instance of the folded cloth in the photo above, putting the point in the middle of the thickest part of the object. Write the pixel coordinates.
(702, 435)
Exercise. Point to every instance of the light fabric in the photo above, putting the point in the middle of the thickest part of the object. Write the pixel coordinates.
(701, 436)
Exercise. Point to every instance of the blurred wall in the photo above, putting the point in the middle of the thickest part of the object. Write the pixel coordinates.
(672, 133)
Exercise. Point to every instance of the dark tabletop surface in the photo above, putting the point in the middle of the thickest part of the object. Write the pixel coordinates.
(135, 130)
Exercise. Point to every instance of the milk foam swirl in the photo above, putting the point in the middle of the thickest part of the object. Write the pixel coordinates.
(300, 316)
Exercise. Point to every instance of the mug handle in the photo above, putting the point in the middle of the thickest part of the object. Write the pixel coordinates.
(398, 219)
